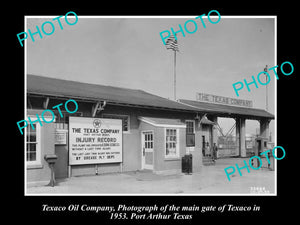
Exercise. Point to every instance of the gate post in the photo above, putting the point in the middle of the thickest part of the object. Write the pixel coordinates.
(243, 137)
(237, 135)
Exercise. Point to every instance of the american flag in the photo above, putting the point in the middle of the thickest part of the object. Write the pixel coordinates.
(171, 43)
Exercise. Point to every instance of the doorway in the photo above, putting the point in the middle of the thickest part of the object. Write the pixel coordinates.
(203, 145)
(147, 150)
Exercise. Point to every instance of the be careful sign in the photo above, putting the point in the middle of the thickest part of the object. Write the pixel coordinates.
(94, 140)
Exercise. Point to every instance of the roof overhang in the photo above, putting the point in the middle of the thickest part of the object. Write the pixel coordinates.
(162, 122)
(228, 110)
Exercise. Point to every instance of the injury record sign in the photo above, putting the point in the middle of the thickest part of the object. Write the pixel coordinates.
(94, 140)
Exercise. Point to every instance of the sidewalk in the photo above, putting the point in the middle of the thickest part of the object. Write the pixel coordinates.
(211, 180)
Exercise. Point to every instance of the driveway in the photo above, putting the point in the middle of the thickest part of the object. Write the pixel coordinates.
(212, 180)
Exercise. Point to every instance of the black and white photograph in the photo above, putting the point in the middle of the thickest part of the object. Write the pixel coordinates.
(120, 100)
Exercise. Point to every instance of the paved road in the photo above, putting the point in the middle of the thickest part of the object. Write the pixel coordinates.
(211, 180)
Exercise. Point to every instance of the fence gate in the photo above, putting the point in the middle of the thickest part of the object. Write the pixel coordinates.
(227, 143)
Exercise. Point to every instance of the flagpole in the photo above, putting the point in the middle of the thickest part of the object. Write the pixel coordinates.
(171, 43)
(175, 75)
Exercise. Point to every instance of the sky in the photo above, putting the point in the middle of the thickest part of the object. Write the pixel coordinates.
(128, 52)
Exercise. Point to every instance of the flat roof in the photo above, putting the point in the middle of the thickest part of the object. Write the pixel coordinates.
(46, 86)
(228, 110)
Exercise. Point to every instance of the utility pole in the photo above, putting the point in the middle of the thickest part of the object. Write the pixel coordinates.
(266, 70)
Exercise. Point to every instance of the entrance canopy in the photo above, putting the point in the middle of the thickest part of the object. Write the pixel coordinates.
(228, 110)
(206, 121)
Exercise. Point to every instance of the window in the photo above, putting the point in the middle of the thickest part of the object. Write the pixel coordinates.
(125, 120)
(190, 126)
(190, 133)
(172, 143)
(33, 150)
(62, 123)
(149, 140)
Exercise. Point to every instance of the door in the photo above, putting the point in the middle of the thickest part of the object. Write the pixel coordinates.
(147, 150)
(62, 152)
(203, 145)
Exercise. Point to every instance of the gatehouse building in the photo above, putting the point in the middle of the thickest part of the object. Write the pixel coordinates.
(119, 130)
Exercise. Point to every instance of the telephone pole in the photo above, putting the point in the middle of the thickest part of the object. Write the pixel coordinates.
(266, 70)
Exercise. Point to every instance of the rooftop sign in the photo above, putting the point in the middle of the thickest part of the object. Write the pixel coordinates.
(202, 97)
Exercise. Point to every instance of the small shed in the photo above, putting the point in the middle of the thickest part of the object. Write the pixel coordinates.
(163, 144)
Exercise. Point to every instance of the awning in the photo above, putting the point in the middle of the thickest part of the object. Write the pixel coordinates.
(206, 121)
(162, 122)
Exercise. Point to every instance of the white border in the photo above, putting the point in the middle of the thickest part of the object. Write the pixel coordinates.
(157, 194)
(275, 99)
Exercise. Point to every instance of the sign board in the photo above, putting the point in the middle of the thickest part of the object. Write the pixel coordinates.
(223, 100)
(94, 140)
(249, 144)
(61, 137)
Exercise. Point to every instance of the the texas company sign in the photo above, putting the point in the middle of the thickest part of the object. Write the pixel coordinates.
(94, 140)
(202, 97)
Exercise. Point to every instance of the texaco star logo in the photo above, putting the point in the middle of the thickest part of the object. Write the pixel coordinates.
(97, 123)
